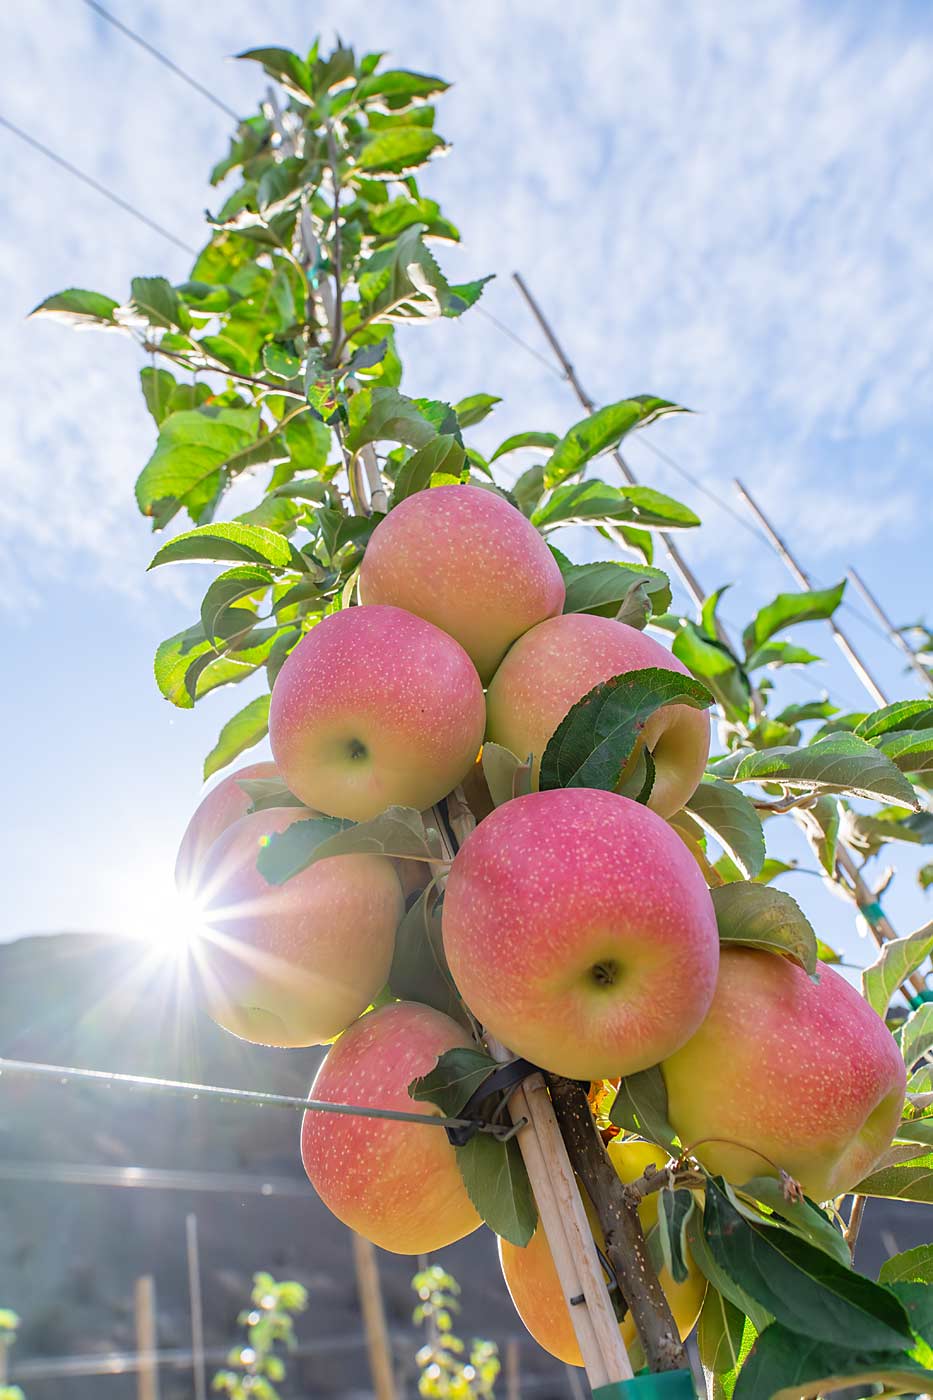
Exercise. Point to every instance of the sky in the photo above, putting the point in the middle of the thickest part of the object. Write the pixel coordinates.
(726, 205)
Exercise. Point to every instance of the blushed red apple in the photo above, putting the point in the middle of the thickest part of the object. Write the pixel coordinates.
(468, 561)
(395, 1183)
(580, 932)
(807, 1074)
(220, 808)
(375, 707)
(293, 964)
(554, 665)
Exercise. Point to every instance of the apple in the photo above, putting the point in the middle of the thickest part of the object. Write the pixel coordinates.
(806, 1074)
(580, 932)
(468, 561)
(535, 1289)
(223, 805)
(292, 964)
(396, 1184)
(554, 665)
(375, 707)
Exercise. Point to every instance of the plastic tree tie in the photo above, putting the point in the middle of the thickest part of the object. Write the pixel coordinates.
(873, 912)
(665, 1385)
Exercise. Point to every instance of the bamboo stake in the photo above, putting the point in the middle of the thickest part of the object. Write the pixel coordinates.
(369, 1288)
(197, 1311)
(147, 1378)
(898, 638)
(797, 572)
(690, 580)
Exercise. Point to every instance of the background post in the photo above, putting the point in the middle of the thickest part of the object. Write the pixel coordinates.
(147, 1377)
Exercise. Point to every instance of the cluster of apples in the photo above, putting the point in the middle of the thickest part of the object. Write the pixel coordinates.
(577, 926)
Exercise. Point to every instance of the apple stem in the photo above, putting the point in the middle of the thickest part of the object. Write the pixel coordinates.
(626, 1249)
(850, 1233)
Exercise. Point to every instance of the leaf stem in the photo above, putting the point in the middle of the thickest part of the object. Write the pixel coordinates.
(337, 329)
(851, 1232)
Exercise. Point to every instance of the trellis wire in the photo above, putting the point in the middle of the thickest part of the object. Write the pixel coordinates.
(110, 1079)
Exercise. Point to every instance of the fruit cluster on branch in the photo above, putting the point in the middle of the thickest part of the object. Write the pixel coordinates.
(428, 651)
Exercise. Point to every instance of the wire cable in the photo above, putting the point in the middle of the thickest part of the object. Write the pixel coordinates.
(161, 58)
(95, 184)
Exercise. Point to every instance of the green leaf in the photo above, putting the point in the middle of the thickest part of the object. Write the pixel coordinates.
(821, 826)
(913, 1266)
(897, 960)
(787, 1365)
(724, 1339)
(528, 490)
(674, 1206)
(220, 617)
(596, 503)
(442, 454)
(713, 663)
(454, 1080)
(911, 750)
(759, 916)
(187, 466)
(910, 1180)
(593, 743)
(308, 441)
(78, 308)
(779, 654)
(399, 88)
(810, 709)
(735, 825)
(399, 150)
(497, 1183)
(403, 282)
(640, 1106)
(602, 587)
(285, 67)
(905, 714)
(398, 832)
(601, 431)
(383, 414)
(528, 439)
(787, 609)
(475, 408)
(804, 1288)
(267, 794)
(230, 540)
(245, 729)
(501, 768)
(915, 1036)
(419, 970)
(838, 763)
(718, 1278)
(156, 299)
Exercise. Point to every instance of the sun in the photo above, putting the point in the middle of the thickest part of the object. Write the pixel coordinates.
(169, 921)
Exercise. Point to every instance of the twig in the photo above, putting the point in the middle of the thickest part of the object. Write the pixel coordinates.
(850, 1233)
(337, 328)
(626, 1249)
(786, 804)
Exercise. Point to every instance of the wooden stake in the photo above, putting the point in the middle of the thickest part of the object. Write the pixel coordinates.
(513, 1374)
(369, 1288)
(795, 570)
(147, 1377)
(898, 638)
(197, 1313)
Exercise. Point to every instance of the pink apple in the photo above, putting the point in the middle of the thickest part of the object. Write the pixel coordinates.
(553, 666)
(223, 805)
(469, 562)
(375, 707)
(397, 1184)
(580, 932)
(292, 964)
(807, 1075)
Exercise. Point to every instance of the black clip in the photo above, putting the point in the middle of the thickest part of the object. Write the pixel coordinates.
(501, 1080)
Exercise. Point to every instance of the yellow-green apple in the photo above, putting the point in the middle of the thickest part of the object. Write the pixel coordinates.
(786, 1072)
(292, 964)
(469, 562)
(580, 932)
(554, 665)
(222, 806)
(396, 1184)
(531, 1276)
(375, 707)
